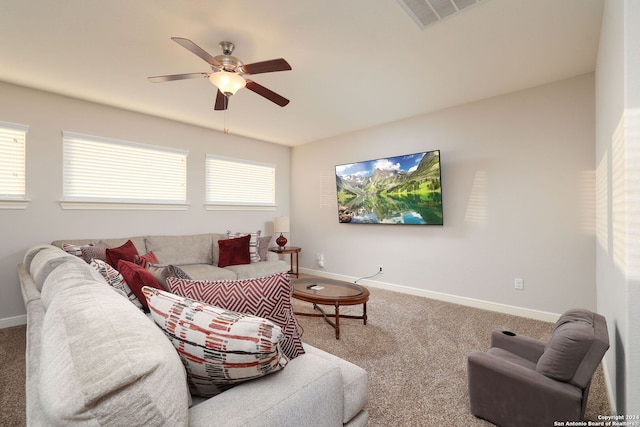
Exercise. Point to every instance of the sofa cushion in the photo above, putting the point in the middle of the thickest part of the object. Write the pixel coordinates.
(218, 347)
(234, 251)
(572, 338)
(257, 269)
(126, 252)
(115, 280)
(308, 393)
(178, 250)
(103, 361)
(268, 297)
(208, 272)
(137, 277)
(355, 382)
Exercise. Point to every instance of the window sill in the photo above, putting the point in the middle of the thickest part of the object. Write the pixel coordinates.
(117, 206)
(239, 208)
(14, 204)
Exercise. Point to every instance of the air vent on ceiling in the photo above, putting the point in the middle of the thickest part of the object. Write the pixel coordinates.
(428, 12)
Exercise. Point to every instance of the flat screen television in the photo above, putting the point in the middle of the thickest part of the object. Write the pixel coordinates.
(394, 190)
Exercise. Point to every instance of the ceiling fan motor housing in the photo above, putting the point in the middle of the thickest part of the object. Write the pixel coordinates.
(229, 63)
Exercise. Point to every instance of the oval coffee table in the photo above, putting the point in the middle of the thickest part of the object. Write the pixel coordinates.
(321, 291)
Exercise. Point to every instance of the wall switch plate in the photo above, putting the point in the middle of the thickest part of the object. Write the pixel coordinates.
(518, 283)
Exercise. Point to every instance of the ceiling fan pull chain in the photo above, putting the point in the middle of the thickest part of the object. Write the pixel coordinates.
(226, 115)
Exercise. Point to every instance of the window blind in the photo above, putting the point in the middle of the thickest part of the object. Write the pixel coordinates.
(12, 161)
(238, 182)
(100, 169)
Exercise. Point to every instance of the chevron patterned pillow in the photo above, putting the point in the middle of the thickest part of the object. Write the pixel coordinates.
(268, 297)
(218, 347)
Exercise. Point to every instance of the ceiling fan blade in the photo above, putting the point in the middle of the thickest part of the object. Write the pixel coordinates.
(194, 48)
(266, 66)
(159, 79)
(267, 93)
(222, 101)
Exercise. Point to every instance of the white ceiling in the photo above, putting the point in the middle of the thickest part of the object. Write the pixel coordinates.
(356, 63)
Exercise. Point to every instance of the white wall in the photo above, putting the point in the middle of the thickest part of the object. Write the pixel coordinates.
(44, 220)
(518, 200)
(618, 197)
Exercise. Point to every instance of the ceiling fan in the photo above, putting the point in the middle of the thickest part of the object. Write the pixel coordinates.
(228, 73)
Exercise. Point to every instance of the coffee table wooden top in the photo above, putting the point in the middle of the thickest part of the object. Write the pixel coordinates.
(329, 292)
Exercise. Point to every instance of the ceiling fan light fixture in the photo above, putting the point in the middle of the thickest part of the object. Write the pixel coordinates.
(228, 83)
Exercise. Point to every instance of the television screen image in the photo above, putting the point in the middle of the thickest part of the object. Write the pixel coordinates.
(394, 190)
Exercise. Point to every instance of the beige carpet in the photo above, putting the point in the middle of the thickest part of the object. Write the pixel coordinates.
(12, 376)
(415, 351)
(413, 348)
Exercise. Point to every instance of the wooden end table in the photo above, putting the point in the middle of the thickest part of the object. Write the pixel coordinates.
(293, 251)
(320, 291)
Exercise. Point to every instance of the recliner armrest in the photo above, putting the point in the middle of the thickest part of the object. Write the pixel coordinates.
(526, 347)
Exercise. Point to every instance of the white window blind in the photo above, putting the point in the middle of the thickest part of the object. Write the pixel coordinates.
(106, 170)
(12, 161)
(239, 183)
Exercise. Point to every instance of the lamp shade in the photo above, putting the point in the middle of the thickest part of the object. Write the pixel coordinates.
(281, 224)
(228, 83)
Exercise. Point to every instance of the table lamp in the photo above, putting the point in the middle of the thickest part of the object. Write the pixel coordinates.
(281, 225)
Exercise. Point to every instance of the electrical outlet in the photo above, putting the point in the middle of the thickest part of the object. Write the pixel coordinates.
(380, 269)
(320, 259)
(518, 283)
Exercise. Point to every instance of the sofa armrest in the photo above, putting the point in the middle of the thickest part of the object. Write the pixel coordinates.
(30, 291)
(308, 390)
(526, 347)
(355, 382)
(508, 394)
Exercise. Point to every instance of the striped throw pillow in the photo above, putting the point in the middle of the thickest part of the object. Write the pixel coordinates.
(219, 348)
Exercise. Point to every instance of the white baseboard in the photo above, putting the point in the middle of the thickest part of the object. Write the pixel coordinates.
(8, 322)
(469, 302)
(609, 388)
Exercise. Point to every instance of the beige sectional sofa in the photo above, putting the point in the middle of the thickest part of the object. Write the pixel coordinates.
(93, 358)
(196, 254)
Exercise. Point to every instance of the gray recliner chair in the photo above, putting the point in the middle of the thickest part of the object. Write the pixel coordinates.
(521, 381)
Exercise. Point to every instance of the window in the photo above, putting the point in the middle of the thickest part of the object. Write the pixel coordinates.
(120, 174)
(12, 165)
(239, 183)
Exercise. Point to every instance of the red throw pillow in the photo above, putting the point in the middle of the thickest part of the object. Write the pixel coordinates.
(126, 252)
(234, 251)
(137, 277)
